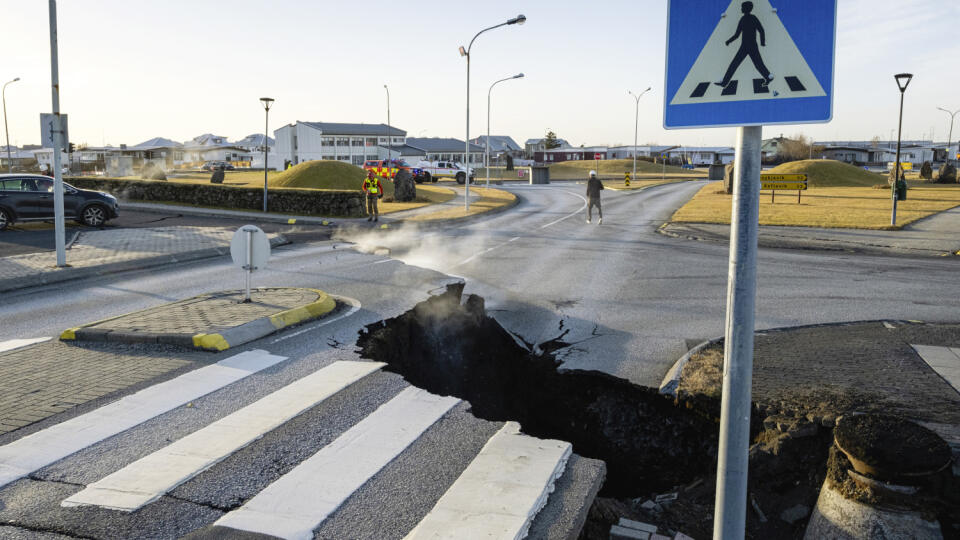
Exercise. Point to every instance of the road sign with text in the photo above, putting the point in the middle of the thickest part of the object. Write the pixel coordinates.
(736, 63)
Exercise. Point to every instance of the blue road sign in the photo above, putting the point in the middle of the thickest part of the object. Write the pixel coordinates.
(736, 63)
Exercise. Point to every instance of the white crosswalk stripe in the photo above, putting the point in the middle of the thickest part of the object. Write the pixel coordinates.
(26, 455)
(500, 492)
(151, 477)
(12, 344)
(300, 500)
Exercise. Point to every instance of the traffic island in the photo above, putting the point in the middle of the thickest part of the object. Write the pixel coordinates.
(212, 322)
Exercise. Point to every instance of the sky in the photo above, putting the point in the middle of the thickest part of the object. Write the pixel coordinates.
(131, 70)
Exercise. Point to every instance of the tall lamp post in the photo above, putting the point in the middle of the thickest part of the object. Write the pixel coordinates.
(636, 126)
(487, 167)
(267, 103)
(389, 143)
(519, 19)
(949, 137)
(903, 80)
(5, 128)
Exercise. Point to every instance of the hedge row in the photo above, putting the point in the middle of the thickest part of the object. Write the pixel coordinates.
(294, 201)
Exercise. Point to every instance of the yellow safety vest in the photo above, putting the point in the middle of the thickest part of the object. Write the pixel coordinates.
(370, 186)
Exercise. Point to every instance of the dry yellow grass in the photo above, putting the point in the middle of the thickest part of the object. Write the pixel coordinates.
(576, 170)
(842, 207)
(617, 185)
(490, 199)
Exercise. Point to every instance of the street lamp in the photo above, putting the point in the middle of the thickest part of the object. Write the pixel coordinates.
(519, 19)
(636, 125)
(5, 128)
(517, 76)
(389, 144)
(949, 137)
(267, 103)
(903, 80)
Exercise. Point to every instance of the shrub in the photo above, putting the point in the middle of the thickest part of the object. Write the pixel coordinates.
(926, 170)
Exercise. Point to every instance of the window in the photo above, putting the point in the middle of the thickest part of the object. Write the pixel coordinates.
(358, 160)
(384, 140)
(356, 142)
(371, 141)
(343, 141)
(326, 141)
(343, 158)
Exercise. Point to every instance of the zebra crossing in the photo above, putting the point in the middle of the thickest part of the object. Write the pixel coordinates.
(757, 87)
(498, 495)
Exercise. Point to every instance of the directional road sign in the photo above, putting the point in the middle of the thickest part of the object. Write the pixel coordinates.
(786, 182)
(736, 63)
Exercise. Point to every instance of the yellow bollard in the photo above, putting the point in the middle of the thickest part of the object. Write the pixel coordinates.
(626, 179)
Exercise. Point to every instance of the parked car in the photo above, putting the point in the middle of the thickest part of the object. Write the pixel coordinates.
(432, 170)
(29, 197)
(213, 165)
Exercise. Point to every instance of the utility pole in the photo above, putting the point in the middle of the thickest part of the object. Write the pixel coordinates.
(59, 225)
(5, 128)
(636, 126)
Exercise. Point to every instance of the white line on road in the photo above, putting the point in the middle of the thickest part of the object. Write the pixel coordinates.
(149, 478)
(26, 455)
(944, 360)
(354, 307)
(300, 500)
(500, 492)
(568, 216)
(18, 343)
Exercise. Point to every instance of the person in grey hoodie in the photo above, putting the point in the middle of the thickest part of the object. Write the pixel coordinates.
(593, 197)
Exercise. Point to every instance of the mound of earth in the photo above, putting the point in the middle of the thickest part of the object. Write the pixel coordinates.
(321, 174)
(829, 173)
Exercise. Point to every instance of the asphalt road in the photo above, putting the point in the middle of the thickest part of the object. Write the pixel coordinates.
(623, 298)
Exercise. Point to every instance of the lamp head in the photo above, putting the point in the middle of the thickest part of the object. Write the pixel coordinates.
(518, 76)
(17, 79)
(519, 19)
(648, 89)
(463, 52)
(903, 80)
(267, 102)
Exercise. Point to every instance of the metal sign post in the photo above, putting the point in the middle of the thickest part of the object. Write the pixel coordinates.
(250, 250)
(58, 143)
(745, 64)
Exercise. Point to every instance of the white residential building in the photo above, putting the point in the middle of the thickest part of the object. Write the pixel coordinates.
(350, 143)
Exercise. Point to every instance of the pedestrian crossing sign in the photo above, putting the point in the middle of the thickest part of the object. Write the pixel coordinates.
(748, 63)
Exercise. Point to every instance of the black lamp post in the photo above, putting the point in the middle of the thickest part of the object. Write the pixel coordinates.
(267, 103)
(903, 80)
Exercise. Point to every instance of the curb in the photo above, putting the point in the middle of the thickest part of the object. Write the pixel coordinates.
(223, 213)
(71, 273)
(671, 381)
(216, 342)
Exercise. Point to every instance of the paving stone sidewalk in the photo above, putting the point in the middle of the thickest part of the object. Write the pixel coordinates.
(98, 252)
(817, 373)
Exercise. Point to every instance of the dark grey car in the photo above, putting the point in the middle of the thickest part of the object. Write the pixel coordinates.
(29, 197)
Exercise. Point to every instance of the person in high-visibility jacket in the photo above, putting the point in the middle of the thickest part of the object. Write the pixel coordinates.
(374, 191)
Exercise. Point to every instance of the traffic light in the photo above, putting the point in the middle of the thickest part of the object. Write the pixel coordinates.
(70, 148)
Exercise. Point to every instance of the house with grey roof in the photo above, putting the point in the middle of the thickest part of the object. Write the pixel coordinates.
(447, 149)
(533, 146)
(350, 143)
(498, 143)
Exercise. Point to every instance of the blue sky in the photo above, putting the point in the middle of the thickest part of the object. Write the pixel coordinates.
(131, 70)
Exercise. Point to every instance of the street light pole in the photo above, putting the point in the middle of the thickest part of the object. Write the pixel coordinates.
(487, 167)
(519, 19)
(636, 126)
(58, 216)
(5, 128)
(267, 102)
(949, 137)
(389, 142)
(903, 80)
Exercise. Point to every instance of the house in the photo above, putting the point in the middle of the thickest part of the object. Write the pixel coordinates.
(498, 144)
(702, 156)
(627, 152)
(557, 155)
(164, 152)
(773, 147)
(538, 145)
(447, 149)
(350, 143)
(254, 143)
(18, 157)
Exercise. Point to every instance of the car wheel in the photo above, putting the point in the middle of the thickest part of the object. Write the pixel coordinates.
(461, 178)
(5, 219)
(94, 215)
(428, 178)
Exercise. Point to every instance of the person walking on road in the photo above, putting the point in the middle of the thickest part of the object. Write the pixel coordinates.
(374, 191)
(593, 197)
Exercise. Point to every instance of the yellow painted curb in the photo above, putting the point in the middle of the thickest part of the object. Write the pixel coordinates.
(214, 342)
(69, 334)
(291, 221)
(321, 306)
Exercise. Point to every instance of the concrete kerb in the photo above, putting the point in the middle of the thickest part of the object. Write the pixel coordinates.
(71, 273)
(210, 341)
(671, 381)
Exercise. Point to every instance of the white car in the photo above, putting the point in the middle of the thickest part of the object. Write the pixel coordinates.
(444, 169)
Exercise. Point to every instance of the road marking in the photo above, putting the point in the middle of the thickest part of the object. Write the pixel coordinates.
(354, 307)
(944, 360)
(300, 500)
(568, 216)
(149, 478)
(18, 343)
(500, 492)
(26, 455)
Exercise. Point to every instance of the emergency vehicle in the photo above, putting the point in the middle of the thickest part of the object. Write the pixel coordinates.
(388, 168)
(432, 170)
